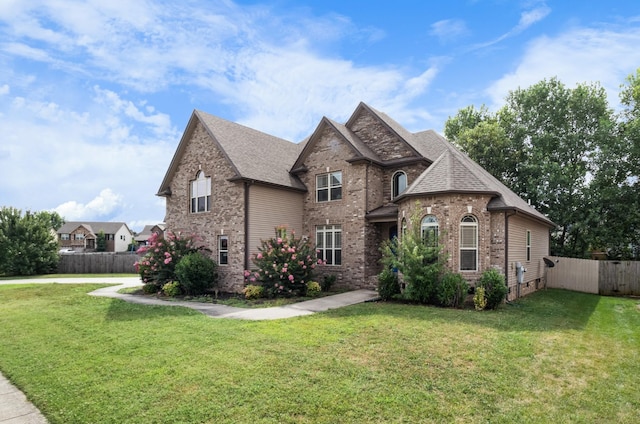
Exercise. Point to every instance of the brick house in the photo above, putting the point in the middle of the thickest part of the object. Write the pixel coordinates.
(82, 236)
(142, 238)
(348, 187)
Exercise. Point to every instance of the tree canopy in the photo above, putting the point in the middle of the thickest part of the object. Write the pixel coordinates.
(28, 244)
(567, 152)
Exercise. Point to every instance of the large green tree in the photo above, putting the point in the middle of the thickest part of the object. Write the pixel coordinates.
(547, 144)
(28, 244)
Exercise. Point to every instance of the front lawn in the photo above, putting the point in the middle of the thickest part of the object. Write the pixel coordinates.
(555, 356)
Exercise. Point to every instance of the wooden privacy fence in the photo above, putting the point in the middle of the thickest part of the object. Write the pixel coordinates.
(97, 263)
(609, 278)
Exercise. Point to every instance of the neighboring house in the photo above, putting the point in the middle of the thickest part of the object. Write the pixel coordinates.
(147, 231)
(81, 236)
(348, 187)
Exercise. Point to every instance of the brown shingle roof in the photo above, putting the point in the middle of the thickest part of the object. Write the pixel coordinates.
(92, 226)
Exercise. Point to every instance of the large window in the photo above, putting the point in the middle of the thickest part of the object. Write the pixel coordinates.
(201, 193)
(528, 245)
(223, 250)
(429, 230)
(329, 186)
(329, 243)
(64, 236)
(399, 184)
(469, 243)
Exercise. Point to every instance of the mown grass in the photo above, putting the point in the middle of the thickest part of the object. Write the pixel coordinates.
(54, 276)
(555, 356)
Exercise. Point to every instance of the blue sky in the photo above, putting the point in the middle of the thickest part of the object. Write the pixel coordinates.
(94, 95)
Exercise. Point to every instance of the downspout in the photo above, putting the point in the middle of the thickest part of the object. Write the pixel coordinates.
(246, 225)
(506, 250)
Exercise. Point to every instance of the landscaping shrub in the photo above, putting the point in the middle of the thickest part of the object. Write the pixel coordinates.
(313, 288)
(284, 264)
(150, 288)
(494, 287)
(196, 273)
(388, 285)
(157, 266)
(452, 290)
(171, 289)
(327, 282)
(479, 301)
(253, 292)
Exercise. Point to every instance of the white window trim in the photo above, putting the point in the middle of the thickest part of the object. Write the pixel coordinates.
(194, 193)
(329, 186)
(321, 231)
(461, 248)
(221, 250)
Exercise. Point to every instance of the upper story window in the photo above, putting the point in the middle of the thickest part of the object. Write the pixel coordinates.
(64, 236)
(429, 230)
(201, 193)
(399, 184)
(79, 237)
(329, 186)
(469, 243)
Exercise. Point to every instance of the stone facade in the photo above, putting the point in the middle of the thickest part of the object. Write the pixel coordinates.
(367, 213)
(226, 215)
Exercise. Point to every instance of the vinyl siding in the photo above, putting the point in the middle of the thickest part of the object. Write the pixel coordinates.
(518, 227)
(270, 208)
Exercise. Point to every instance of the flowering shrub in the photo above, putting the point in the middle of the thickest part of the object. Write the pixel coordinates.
(157, 266)
(284, 264)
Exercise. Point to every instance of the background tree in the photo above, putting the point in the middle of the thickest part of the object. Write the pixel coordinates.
(28, 244)
(101, 242)
(547, 144)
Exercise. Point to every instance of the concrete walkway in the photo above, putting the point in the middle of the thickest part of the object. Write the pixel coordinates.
(16, 409)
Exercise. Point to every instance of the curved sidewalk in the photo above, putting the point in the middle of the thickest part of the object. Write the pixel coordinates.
(16, 409)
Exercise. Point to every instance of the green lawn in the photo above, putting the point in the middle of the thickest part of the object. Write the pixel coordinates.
(554, 356)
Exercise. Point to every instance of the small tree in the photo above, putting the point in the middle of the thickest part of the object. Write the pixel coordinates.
(418, 260)
(101, 242)
(284, 264)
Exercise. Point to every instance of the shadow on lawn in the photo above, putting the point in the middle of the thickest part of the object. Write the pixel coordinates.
(545, 310)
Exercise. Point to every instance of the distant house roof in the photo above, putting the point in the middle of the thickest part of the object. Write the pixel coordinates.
(93, 227)
(147, 231)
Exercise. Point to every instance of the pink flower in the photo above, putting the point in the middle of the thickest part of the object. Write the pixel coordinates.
(291, 278)
(166, 261)
(246, 273)
(259, 256)
(319, 261)
(294, 256)
(279, 240)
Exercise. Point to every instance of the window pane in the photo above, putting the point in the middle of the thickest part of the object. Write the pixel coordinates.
(468, 237)
(468, 260)
(320, 239)
(201, 204)
(323, 195)
(224, 243)
(322, 181)
(224, 258)
(336, 193)
(338, 239)
(193, 205)
(336, 178)
(208, 203)
(338, 260)
(329, 239)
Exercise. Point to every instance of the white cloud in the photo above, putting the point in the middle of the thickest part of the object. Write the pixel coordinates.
(449, 29)
(527, 19)
(4, 89)
(581, 55)
(101, 206)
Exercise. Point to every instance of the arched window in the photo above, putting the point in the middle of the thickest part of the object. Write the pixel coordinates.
(469, 243)
(399, 184)
(201, 193)
(429, 230)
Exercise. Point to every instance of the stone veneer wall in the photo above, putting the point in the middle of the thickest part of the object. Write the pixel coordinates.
(226, 216)
(449, 210)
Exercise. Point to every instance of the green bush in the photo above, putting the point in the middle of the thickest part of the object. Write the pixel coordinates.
(313, 288)
(452, 290)
(196, 273)
(171, 289)
(150, 288)
(388, 285)
(161, 257)
(479, 301)
(494, 288)
(327, 282)
(253, 292)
